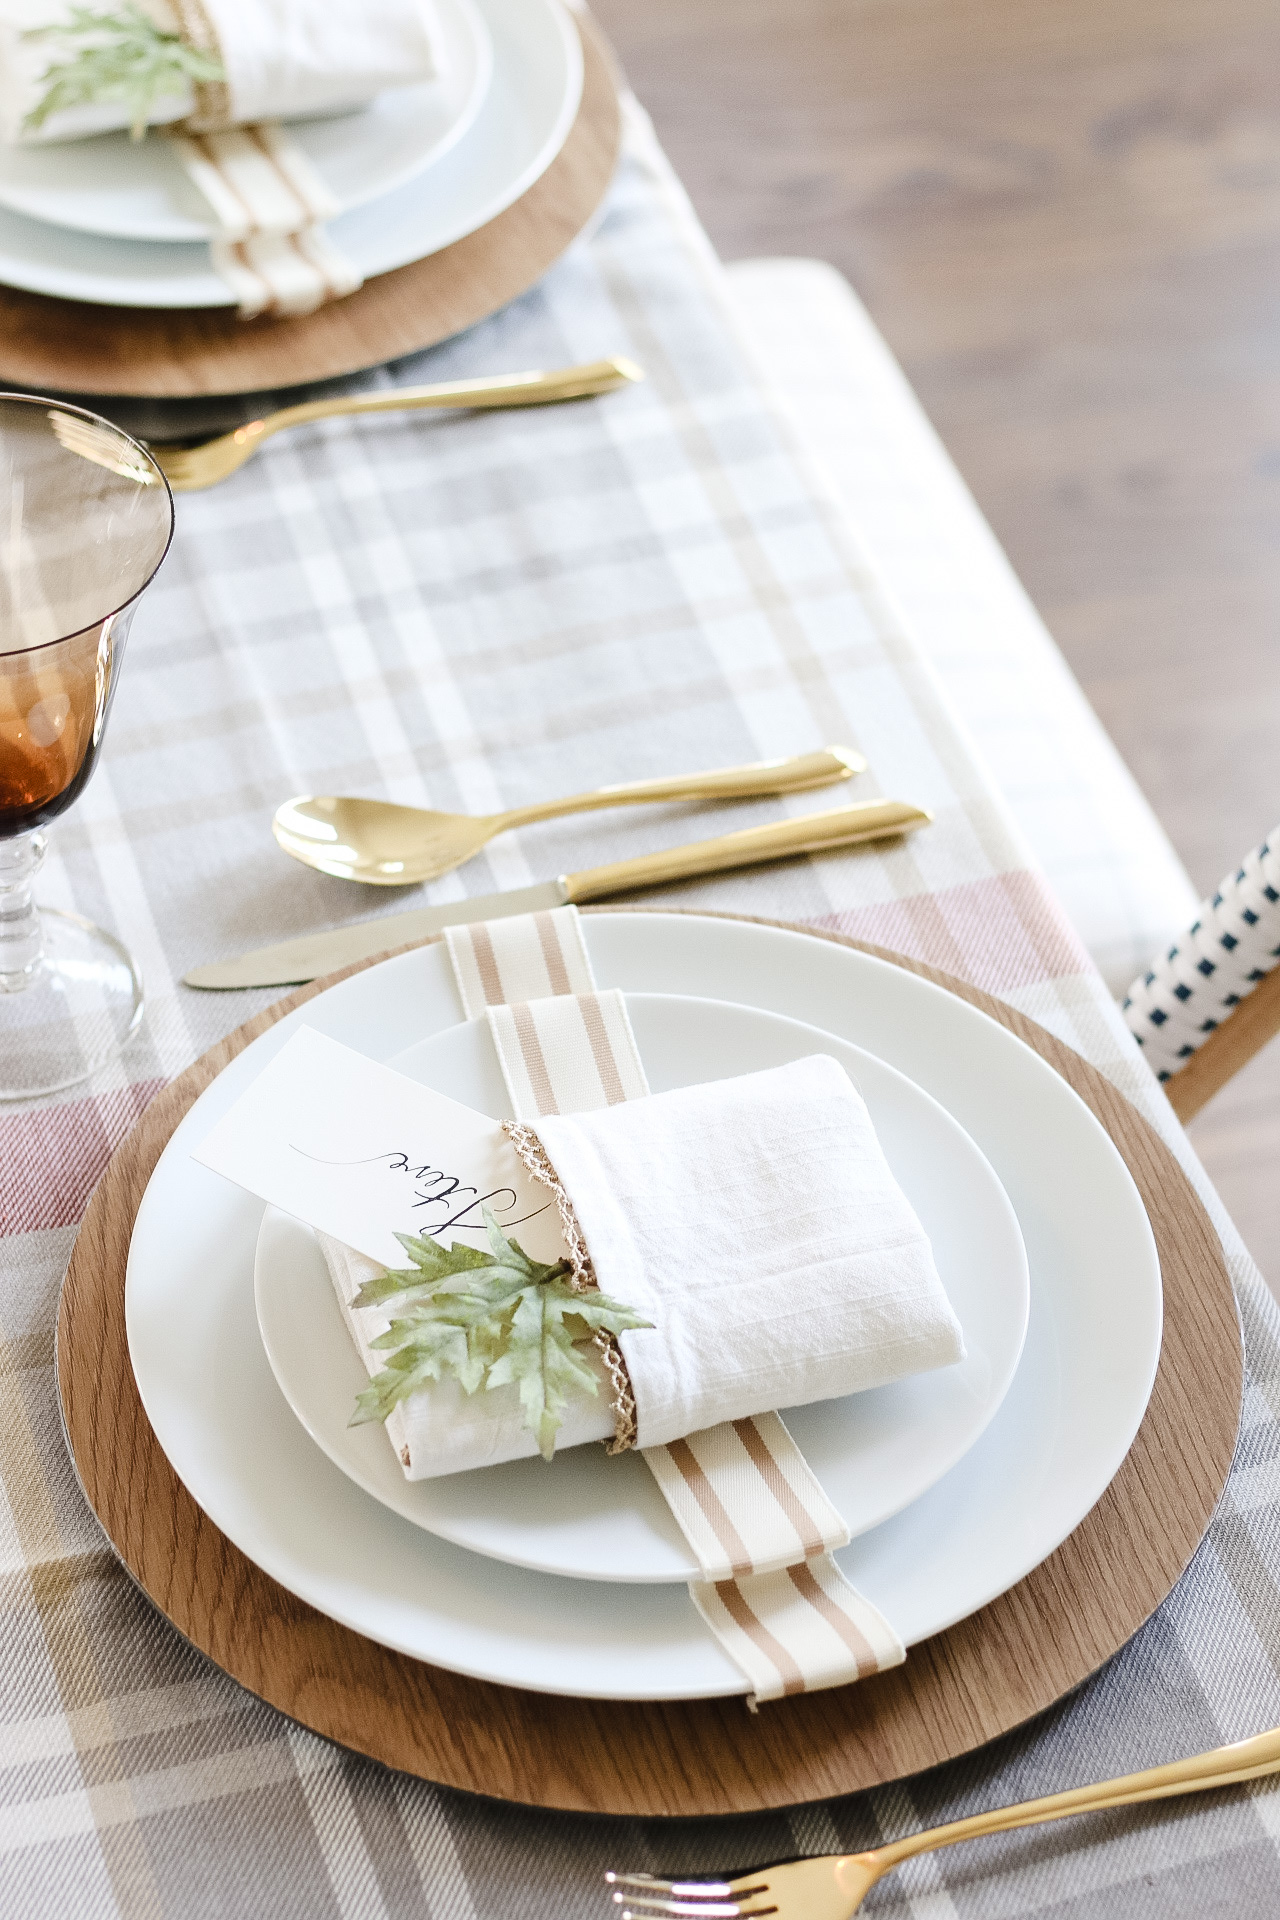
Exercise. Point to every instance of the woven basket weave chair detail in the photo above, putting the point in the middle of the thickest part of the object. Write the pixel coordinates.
(1230, 948)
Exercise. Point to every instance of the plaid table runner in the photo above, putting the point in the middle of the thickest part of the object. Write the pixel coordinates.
(474, 612)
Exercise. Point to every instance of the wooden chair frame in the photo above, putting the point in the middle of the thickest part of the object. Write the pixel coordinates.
(1244, 1032)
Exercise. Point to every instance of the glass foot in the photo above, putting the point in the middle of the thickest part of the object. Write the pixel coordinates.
(70, 1013)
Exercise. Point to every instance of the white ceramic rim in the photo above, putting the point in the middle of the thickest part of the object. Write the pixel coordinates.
(1058, 1439)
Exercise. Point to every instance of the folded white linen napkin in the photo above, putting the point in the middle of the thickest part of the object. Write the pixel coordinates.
(756, 1223)
(279, 60)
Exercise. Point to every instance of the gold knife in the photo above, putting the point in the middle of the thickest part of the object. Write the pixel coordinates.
(314, 954)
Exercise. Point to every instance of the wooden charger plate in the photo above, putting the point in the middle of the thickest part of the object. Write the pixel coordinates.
(957, 1690)
(72, 346)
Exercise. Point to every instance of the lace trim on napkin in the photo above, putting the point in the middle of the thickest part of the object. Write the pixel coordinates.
(533, 1157)
(211, 105)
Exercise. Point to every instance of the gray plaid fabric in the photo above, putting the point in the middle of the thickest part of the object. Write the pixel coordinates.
(475, 612)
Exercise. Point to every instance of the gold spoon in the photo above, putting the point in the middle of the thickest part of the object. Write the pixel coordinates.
(390, 846)
(187, 469)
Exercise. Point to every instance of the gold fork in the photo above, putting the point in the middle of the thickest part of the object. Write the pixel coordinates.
(833, 1886)
(187, 469)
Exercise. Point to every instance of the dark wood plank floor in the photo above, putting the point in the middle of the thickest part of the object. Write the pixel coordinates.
(1065, 217)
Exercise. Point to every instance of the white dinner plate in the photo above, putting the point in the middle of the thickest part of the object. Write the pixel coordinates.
(523, 121)
(594, 1517)
(1062, 1431)
(136, 189)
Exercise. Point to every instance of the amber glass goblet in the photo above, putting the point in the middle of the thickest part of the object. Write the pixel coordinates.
(85, 519)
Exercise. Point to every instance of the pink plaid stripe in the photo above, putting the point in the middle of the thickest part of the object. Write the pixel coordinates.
(51, 1161)
(1001, 933)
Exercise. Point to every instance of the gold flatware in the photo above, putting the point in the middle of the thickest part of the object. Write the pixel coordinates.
(390, 846)
(319, 953)
(188, 468)
(833, 1886)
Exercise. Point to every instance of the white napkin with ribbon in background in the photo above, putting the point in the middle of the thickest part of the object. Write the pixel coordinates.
(280, 59)
(756, 1223)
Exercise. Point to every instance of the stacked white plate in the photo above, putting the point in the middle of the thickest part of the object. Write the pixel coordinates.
(569, 1577)
(116, 221)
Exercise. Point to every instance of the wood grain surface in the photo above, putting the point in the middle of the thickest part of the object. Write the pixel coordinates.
(1064, 219)
(1246, 1030)
(956, 1691)
(67, 346)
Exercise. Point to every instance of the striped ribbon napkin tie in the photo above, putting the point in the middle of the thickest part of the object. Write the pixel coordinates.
(270, 205)
(754, 1516)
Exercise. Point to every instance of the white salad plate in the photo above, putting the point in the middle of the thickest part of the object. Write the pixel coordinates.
(137, 190)
(1057, 1439)
(522, 122)
(593, 1517)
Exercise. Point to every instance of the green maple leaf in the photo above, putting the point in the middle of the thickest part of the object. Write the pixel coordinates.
(119, 54)
(489, 1320)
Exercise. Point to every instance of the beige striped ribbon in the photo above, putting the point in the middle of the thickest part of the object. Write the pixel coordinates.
(270, 204)
(742, 1493)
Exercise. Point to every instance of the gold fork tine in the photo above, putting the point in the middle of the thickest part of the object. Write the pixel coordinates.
(709, 1909)
(826, 1888)
(709, 1899)
(833, 1886)
(690, 1889)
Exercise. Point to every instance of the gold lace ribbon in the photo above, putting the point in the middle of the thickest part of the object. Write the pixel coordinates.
(211, 99)
(622, 1400)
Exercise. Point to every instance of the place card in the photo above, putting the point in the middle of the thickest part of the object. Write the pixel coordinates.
(364, 1153)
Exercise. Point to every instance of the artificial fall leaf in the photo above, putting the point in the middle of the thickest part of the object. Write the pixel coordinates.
(491, 1319)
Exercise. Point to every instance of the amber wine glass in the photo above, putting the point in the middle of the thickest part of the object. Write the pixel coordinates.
(85, 519)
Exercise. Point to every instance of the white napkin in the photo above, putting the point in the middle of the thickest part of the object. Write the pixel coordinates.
(756, 1222)
(283, 59)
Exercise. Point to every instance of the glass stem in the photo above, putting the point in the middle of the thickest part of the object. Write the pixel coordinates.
(21, 939)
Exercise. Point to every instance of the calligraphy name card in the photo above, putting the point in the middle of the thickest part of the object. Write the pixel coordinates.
(365, 1153)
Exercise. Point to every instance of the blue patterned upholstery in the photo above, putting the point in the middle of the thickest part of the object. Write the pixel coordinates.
(1233, 943)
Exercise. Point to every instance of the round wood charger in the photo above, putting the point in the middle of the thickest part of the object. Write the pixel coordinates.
(72, 346)
(957, 1690)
